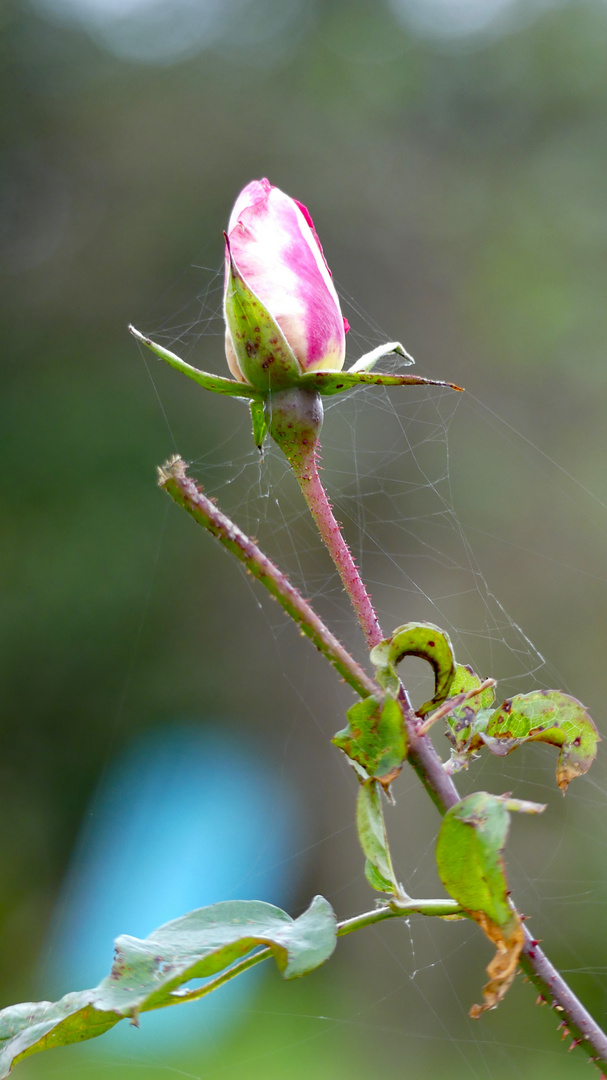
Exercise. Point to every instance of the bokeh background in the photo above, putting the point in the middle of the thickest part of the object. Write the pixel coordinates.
(165, 733)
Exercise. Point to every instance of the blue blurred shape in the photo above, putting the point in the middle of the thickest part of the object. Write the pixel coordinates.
(187, 816)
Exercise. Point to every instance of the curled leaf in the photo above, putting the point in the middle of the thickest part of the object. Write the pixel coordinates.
(375, 738)
(469, 859)
(464, 680)
(147, 974)
(369, 360)
(462, 722)
(416, 639)
(548, 716)
(502, 968)
(373, 840)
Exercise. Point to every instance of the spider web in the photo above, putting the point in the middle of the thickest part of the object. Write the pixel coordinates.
(397, 996)
(386, 465)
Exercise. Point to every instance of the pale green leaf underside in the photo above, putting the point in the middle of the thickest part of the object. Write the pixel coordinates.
(369, 360)
(147, 974)
(373, 840)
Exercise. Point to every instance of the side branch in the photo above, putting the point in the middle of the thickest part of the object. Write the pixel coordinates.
(422, 756)
(441, 908)
(173, 478)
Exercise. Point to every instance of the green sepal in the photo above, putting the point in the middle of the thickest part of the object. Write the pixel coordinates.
(263, 352)
(369, 360)
(146, 974)
(259, 422)
(416, 639)
(336, 382)
(375, 738)
(548, 716)
(216, 383)
(373, 839)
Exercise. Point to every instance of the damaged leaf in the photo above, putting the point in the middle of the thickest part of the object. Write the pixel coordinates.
(375, 738)
(548, 716)
(461, 719)
(146, 974)
(464, 721)
(379, 871)
(416, 639)
(469, 858)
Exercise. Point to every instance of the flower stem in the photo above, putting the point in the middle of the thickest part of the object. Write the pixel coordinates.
(295, 419)
(314, 493)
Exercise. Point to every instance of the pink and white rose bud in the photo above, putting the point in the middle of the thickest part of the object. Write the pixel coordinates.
(276, 251)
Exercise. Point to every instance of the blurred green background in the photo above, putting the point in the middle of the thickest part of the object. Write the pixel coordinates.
(453, 154)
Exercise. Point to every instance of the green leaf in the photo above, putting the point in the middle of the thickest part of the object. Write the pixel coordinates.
(416, 639)
(263, 352)
(373, 840)
(469, 859)
(147, 974)
(468, 854)
(547, 716)
(215, 383)
(461, 720)
(260, 423)
(377, 880)
(336, 382)
(375, 738)
(466, 679)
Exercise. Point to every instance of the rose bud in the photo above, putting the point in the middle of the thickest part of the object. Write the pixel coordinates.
(283, 317)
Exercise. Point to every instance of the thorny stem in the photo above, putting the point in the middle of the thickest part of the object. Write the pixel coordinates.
(295, 419)
(534, 962)
(422, 756)
(186, 493)
(314, 493)
(441, 908)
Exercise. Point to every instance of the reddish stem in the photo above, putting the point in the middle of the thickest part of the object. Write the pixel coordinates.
(330, 531)
(295, 421)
